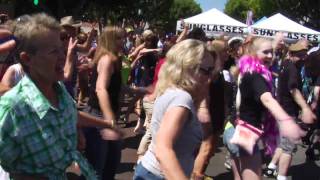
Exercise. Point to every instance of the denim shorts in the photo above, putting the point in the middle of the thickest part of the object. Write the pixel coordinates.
(287, 146)
(142, 173)
(234, 149)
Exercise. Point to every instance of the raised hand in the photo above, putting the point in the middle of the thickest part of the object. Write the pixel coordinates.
(6, 43)
(72, 45)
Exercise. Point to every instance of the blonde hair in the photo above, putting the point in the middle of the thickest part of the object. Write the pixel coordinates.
(107, 42)
(214, 51)
(254, 45)
(219, 46)
(181, 66)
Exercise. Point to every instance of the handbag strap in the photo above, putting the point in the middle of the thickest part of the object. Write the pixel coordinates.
(249, 126)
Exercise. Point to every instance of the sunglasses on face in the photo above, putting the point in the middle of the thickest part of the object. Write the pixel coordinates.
(299, 54)
(206, 70)
(266, 52)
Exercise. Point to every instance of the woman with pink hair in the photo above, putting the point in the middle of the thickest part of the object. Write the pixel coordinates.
(255, 105)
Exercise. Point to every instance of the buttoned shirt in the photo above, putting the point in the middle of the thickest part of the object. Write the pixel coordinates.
(37, 138)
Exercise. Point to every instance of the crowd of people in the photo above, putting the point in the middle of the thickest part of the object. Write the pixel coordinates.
(62, 92)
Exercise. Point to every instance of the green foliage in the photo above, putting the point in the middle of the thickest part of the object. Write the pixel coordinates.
(306, 11)
(237, 9)
(162, 13)
(181, 9)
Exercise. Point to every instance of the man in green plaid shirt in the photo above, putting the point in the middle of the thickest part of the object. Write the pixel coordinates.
(38, 118)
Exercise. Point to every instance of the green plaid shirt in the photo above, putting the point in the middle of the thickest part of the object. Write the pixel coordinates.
(37, 138)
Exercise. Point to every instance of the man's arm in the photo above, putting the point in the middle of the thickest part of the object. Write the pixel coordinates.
(307, 115)
(70, 58)
(183, 34)
(85, 47)
(87, 120)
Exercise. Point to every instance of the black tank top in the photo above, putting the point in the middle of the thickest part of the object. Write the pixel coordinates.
(113, 89)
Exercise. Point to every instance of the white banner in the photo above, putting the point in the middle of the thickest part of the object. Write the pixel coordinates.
(211, 29)
(288, 35)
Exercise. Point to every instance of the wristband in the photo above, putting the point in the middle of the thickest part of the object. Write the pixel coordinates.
(112, 124)
(286, 119)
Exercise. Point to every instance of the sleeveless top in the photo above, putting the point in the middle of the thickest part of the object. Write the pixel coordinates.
(113, 89)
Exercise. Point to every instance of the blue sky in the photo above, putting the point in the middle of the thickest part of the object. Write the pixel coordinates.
(209, 4)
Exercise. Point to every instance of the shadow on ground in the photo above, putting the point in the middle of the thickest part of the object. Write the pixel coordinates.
(311, 171)
(224, 176)
(125, 167)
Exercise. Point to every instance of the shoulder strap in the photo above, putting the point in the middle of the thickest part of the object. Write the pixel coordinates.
(238, 96)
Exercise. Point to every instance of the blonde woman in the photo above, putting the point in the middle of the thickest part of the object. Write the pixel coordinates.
(176, 132)
(105, 153)
(255, 101)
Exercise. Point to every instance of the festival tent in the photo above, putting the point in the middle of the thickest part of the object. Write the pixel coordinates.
(260, 20)
(214, 22)
(279, 23)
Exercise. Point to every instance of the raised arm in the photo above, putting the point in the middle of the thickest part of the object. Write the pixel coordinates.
(184, 33)
(85, 47)
(307, 115)
(6, 44)
(8, 78)
(70, 60)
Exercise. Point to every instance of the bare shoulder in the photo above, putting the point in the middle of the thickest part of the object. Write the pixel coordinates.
(106, 62)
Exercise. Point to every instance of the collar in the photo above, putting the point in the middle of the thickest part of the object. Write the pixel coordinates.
(35, 99)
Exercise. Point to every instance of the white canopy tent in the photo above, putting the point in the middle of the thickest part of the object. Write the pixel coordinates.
(279, 23)
(214, 22)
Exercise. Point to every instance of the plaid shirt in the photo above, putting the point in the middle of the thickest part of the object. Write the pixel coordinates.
(37, 138)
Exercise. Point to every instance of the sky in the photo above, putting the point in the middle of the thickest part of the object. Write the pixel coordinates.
(209, 4)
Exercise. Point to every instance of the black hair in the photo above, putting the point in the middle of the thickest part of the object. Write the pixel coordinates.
(197, 33)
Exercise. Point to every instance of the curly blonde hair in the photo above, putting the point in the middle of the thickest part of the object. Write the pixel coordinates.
(181, 66)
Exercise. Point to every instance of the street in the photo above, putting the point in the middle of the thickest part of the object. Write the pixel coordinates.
(300, 170)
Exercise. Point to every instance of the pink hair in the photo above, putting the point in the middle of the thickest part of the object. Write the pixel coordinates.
(251, 64)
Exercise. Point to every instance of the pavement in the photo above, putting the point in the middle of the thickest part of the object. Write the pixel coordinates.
(300, 169)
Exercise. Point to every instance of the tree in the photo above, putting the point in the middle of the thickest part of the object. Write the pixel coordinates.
(179, 9)
(306, 12)
(238, 8)
(163, 13)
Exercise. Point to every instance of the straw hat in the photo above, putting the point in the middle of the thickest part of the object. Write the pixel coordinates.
(69, 21)
(299, 46)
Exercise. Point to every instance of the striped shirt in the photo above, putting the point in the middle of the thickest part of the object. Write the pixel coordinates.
(37, 138)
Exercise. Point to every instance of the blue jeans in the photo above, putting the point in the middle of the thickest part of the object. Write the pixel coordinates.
(142, 173)
(235, 150)
(232, 148)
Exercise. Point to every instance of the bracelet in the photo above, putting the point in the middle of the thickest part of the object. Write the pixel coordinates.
(286, 119)
(112, 124)
(203, 107)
